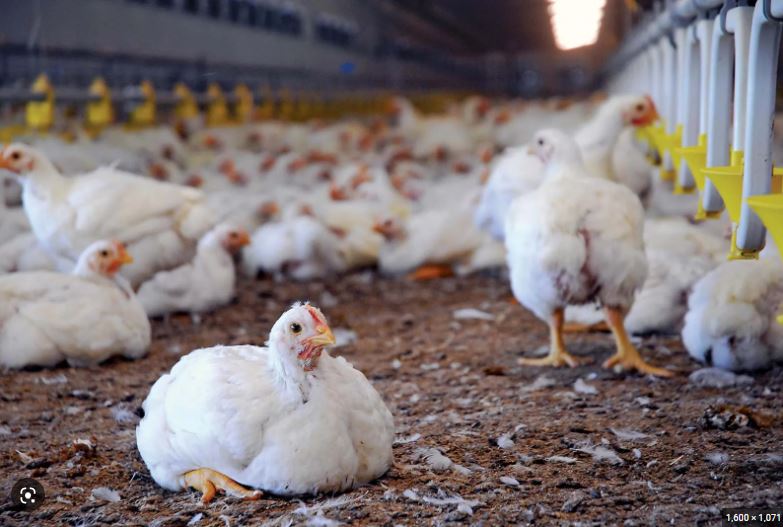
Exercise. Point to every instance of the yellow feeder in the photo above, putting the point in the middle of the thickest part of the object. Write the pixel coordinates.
(285, 106)
(656, 134)
(186, 107)
(673, 142)
(244, 108)
(266, 109)
(144, 114)
(696, 158)
(728, 182)
(100, 111)
(40, 113)
(769, 207)
(8, 133)
(217, 109)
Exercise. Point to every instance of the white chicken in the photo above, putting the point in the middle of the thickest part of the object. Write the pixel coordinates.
(84, 318)
(24, 253)
(732, 316)
(299, 247)
(159, 222)
(432, 241)
(515, 173)
(576, 239)
(201, 285)
(287, 418)
(598, 140)
(678, 255)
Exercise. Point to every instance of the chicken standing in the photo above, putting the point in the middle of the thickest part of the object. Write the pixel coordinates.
(288, 418)
(201, 285)
(159, 222)
(574, 240)
(84, 318)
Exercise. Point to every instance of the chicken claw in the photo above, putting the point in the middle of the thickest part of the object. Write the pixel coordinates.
(208, 481)
(627, 355)
(558, 356)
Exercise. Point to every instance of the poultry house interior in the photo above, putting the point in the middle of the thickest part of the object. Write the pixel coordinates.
(391, 262)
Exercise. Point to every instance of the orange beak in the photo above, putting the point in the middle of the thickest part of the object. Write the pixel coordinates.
(122, 255)
(122, 258)
(314, 346)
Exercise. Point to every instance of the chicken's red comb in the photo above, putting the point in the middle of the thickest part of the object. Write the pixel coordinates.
(316, 314)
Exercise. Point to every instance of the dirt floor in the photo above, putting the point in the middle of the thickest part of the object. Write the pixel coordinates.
(514, 445)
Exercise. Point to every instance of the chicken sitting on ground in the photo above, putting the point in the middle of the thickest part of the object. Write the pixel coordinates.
(84, 318)
(732, 318)
(159, 222)
(201, 285)
(574, 240)
(287, 419)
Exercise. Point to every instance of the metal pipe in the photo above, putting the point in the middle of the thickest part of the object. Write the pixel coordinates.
(764, 49)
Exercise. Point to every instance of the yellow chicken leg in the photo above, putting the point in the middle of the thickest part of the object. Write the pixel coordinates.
(627, 356)
(209, 481)
(558, 356)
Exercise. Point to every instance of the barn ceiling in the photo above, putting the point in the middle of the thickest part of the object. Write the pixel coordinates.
(505, 26)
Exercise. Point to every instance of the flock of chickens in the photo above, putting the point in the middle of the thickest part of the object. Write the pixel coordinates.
(129, 226)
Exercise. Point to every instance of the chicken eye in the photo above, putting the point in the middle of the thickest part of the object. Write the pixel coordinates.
(15, 156)
(296, 328)
(640, 107)
(104, 253)
(540, 142)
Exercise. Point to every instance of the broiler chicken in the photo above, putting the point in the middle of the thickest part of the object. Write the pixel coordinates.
(83, 318)
(607, 149)
(201, 285)
(732, 316)
(286, 418)
(576, 239)
(159, 222)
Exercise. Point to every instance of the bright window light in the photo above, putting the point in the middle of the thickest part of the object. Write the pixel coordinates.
(575, 23)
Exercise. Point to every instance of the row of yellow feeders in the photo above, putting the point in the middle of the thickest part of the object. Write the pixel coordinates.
(220, 109)
(750, 33)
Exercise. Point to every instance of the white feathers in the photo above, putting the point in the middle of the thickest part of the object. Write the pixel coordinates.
(564, 249)
(84, 318)
(301, 248)
(599, 453)
(439, 462)
(260, 417)
(67, 214)
(516, 172)
(731, 321)
(105, 494)
(202, 285)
